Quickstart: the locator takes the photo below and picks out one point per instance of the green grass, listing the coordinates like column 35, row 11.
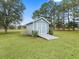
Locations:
column 16, row 46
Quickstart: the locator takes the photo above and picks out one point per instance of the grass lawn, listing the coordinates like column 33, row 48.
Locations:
column 16, row 46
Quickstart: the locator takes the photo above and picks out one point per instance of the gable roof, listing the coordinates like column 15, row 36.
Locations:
column 42, row 18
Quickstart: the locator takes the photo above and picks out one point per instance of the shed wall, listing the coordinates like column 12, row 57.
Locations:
column 40, row 26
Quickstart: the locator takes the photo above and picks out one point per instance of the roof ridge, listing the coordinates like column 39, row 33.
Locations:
column 39, row 19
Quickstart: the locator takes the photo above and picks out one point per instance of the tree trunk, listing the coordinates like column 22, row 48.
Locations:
column 58, row 21
column 73, row 28
column 5, row 29
column 68, row 20
column 63, row 26
column 51, row 30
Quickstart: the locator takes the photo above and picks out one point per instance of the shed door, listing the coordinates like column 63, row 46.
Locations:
column 39, row 28
column 42, row 29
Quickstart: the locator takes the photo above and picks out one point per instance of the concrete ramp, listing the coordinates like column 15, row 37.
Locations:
column 47, row 36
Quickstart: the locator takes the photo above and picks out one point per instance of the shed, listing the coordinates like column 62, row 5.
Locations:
column 41, row 25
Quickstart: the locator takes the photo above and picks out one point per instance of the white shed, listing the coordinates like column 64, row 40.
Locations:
column 40, row 25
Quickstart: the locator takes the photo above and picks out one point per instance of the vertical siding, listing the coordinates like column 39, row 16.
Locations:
column 40, row 26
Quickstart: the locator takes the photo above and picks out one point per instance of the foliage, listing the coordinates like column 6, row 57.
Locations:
column 42, row 12
column 34, row 33
column 19, row 27
column 59, row 24
column 11, row 27
column 51, row 31
column 10, row 12
column 36, row 14
column 62, row 11
column 72, row 24
column 45, row 10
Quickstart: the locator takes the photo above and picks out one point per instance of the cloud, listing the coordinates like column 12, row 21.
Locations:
column 57, row 0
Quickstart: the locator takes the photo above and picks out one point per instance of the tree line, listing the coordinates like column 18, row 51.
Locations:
column 62, row 15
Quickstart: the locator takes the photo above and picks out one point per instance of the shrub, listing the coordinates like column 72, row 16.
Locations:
column 72, row 24
column 11, row 27
column 34, row 33
column 51, row 31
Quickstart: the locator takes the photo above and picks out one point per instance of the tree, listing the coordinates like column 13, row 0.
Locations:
column 75, row 10
column 58, row 16
column 10, row 12
column 59, row 24
column 59, row 12
column 42, row 12
column 63, row 7
column 72, row 24
column 47, row 11
column 36, row 14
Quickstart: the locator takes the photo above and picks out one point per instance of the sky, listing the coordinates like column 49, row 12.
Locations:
column 31, row 6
